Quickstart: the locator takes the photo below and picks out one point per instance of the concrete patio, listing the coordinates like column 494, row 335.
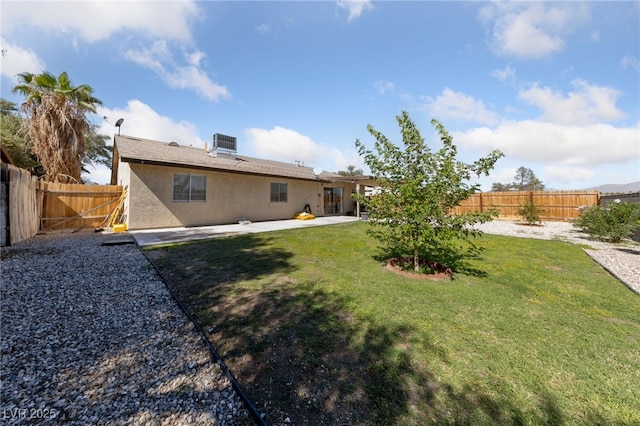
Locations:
column 149, row 237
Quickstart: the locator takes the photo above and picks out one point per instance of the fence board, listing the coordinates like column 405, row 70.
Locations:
column 76, row 205
column 20, row 203
column 557, row 205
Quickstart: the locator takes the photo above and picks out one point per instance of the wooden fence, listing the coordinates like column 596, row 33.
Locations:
column 557, row 205
column 29, row 206
column 64, row 206
column 19, row 212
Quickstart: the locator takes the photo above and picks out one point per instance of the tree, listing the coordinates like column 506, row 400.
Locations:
column 498, row 187
column 96, row 150
column 524, row 180
column 351, row 171
column 56, row 121
column 410, row 216
column 15, row 140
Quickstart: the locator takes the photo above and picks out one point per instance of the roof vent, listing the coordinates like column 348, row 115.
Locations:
column 173, row 144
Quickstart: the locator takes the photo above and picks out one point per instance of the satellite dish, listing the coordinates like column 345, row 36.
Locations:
column 317, row 171
column 118, row 124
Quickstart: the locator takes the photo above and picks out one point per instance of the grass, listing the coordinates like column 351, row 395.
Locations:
column 316, row 330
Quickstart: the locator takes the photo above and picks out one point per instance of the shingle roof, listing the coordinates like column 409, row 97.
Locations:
column 137, row 150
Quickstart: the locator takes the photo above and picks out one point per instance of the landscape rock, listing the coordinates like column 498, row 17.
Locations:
column 91, row 335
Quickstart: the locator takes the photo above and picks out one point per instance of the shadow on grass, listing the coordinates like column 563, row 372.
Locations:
column 300, row 352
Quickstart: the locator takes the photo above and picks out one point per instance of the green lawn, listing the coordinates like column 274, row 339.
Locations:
column 317, row 330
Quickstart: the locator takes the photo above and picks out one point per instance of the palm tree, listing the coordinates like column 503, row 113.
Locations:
column 56, row 122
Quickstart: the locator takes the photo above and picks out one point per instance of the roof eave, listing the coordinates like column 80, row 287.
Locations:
column 217, row 169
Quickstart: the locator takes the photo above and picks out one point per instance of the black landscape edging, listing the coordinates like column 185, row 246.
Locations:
column 236, row 386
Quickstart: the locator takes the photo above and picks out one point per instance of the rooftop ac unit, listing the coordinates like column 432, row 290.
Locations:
column 223, row 144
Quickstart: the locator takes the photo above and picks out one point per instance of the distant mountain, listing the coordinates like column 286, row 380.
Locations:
column 618, row 188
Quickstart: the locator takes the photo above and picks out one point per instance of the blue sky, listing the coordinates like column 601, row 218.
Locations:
column 554, row 85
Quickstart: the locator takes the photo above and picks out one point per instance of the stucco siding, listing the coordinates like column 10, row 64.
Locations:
column 349, row 202
column 228, row 197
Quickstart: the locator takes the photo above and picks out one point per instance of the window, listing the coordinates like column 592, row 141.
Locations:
column 278, row 192
column 189, row 187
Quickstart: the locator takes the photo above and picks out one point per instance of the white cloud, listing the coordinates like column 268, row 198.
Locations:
column 532, row 29
column 98, row 174
column 456, row 105
column 355, row 7
column 287, row 145
column 283, row 144
column 140, row 120
column 588, row 104
column 98, row 20
column 506, row 75
column 383, row 86
column 502, row 175
column 266, row 29
column 568, row 174
column 16, row 60
column 534, row 141
column 630, row 62
column 159, row 58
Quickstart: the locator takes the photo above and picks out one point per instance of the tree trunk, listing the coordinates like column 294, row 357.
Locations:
column 416, row 252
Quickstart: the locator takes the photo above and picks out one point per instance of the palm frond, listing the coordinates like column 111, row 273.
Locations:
column 56, row 121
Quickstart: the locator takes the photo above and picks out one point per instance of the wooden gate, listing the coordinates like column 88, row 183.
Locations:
column 64, row 206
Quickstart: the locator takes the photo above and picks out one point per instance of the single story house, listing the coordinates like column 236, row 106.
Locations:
column 172, row 185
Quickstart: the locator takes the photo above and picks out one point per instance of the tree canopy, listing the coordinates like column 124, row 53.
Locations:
column 524, row 180
column 351, row 171
column 411, row 213
column 16, row 141
column 56, row 121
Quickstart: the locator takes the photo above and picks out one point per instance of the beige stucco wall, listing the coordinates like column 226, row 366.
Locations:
column 349, row 202
column 229, row 196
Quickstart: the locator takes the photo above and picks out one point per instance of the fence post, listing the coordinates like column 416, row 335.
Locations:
column 4, row 207
column 40, row 190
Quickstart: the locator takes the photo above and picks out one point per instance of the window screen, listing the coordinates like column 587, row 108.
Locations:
column 189, row 187
column 278, row 192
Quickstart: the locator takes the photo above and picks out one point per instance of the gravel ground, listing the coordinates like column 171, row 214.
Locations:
column 621, row 260
column 91, row 336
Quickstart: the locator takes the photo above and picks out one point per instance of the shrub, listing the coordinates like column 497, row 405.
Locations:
column 530, row 212
column 613, row 223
